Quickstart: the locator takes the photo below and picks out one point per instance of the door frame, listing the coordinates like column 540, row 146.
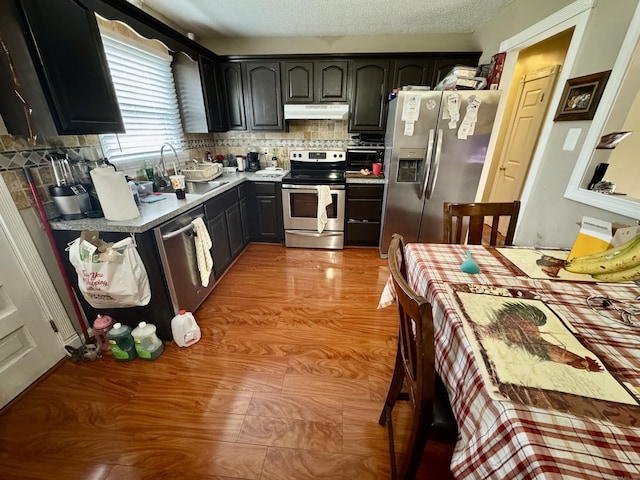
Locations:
column 550, row 71
column 576, row 16
column 29, row 259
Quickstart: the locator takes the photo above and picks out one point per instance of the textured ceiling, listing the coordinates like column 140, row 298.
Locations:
column 281, row 18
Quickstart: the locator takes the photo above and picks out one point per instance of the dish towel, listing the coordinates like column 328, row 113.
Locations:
column 203, row 254
column 324, row 199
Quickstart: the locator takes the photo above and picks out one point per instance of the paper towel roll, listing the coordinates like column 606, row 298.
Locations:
column 113, row 192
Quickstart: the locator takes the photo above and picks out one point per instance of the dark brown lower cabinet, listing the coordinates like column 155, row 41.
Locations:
column 266, row 212
column 227, row 227
column 364, row 210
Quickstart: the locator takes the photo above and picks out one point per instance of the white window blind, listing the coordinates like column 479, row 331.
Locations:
column 146, row 93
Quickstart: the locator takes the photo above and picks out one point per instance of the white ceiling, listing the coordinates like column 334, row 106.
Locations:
column 283, row 18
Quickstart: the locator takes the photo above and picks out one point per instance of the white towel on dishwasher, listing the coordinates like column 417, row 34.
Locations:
column 203, row 250
column 324, row 200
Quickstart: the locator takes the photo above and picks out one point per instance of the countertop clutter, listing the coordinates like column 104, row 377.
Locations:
column 156, row 213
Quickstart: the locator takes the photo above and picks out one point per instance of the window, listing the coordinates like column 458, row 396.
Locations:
column 146, row 93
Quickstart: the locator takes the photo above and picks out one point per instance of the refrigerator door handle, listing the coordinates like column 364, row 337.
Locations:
column 427, row 165
column 436, row 166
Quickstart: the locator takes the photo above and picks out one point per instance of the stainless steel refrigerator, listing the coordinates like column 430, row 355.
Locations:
column 435, row 148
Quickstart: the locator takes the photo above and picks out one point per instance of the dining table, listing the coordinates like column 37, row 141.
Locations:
column 529, row 403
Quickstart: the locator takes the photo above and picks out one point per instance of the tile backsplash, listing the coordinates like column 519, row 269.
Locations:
column 19, row 152
column 302, row 134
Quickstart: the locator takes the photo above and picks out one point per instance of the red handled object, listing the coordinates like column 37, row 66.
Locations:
column 47, row 229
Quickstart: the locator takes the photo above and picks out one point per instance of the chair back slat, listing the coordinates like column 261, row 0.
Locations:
column 468, row 220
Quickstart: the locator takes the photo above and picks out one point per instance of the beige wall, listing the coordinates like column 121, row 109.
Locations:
column 603, row 37
column 517, row 17
column 339, row 44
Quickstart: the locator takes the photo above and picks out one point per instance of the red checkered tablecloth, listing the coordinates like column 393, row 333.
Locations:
column 507, row 440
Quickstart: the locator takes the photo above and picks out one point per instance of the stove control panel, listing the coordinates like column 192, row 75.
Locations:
column 318, row 155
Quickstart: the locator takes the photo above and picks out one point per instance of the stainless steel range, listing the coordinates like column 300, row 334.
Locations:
column 311, row 170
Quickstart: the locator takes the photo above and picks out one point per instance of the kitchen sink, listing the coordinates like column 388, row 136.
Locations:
column 200, row 188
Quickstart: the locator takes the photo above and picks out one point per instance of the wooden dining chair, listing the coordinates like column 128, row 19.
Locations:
column 462, row 217
column 431, row 415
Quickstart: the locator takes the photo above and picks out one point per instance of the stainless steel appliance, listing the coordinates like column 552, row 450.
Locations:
column 68, row 194
column 311, row 169
column 435, row 148
column 177, row 250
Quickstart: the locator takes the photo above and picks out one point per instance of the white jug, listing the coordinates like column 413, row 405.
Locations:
column 184, row 329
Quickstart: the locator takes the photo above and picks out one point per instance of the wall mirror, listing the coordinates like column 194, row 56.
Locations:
column 619, row 111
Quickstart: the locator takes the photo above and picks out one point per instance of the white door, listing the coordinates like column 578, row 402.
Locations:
column 28, row 344
column 520, row 144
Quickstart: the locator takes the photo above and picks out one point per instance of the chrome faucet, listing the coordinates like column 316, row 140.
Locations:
column 165, row 173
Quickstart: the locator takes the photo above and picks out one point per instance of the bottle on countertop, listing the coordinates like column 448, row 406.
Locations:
column 274, row 160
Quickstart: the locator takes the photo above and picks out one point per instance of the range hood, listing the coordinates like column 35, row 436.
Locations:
column 316, row 111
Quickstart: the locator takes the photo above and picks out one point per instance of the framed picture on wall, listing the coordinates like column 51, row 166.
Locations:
column 581, row 96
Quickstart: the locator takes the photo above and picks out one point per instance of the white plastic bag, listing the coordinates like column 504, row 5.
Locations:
column 119, row 281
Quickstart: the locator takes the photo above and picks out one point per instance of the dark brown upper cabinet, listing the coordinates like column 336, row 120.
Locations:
column 412, row 71
column 444, row 64
column 368, row 92
column 262, row 95
column 201, row 94
column 232, row 74
column 322, row 81
column 215, row 95
column 331, row 81
column 69, row 59
column 298, row 82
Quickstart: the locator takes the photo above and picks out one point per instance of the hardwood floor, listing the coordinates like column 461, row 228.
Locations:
column 287, row 382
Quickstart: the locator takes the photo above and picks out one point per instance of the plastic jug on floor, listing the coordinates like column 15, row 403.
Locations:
column 148, row 345
column 121, row 342
column 184, row 329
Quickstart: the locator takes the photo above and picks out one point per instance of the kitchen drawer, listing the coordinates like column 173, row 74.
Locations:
column 364, row 209
column 365, row 191
column 265, row 188
column 360, row 233
column 220, row 203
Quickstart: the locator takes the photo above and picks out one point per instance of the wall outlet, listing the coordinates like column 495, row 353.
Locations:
column 265, row 151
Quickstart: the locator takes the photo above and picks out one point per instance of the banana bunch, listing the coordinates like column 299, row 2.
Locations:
column 620, row 264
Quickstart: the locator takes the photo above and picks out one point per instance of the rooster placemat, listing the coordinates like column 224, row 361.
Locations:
column 527, row 354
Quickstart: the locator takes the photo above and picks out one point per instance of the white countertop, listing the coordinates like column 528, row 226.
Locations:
column 154, row 214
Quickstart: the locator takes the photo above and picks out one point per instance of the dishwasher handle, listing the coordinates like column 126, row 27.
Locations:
column 180, row 231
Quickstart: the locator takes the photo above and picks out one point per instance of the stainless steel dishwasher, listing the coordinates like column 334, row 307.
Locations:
column 177, row 249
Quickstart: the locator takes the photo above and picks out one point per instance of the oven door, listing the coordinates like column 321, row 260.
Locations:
column 300, row 208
